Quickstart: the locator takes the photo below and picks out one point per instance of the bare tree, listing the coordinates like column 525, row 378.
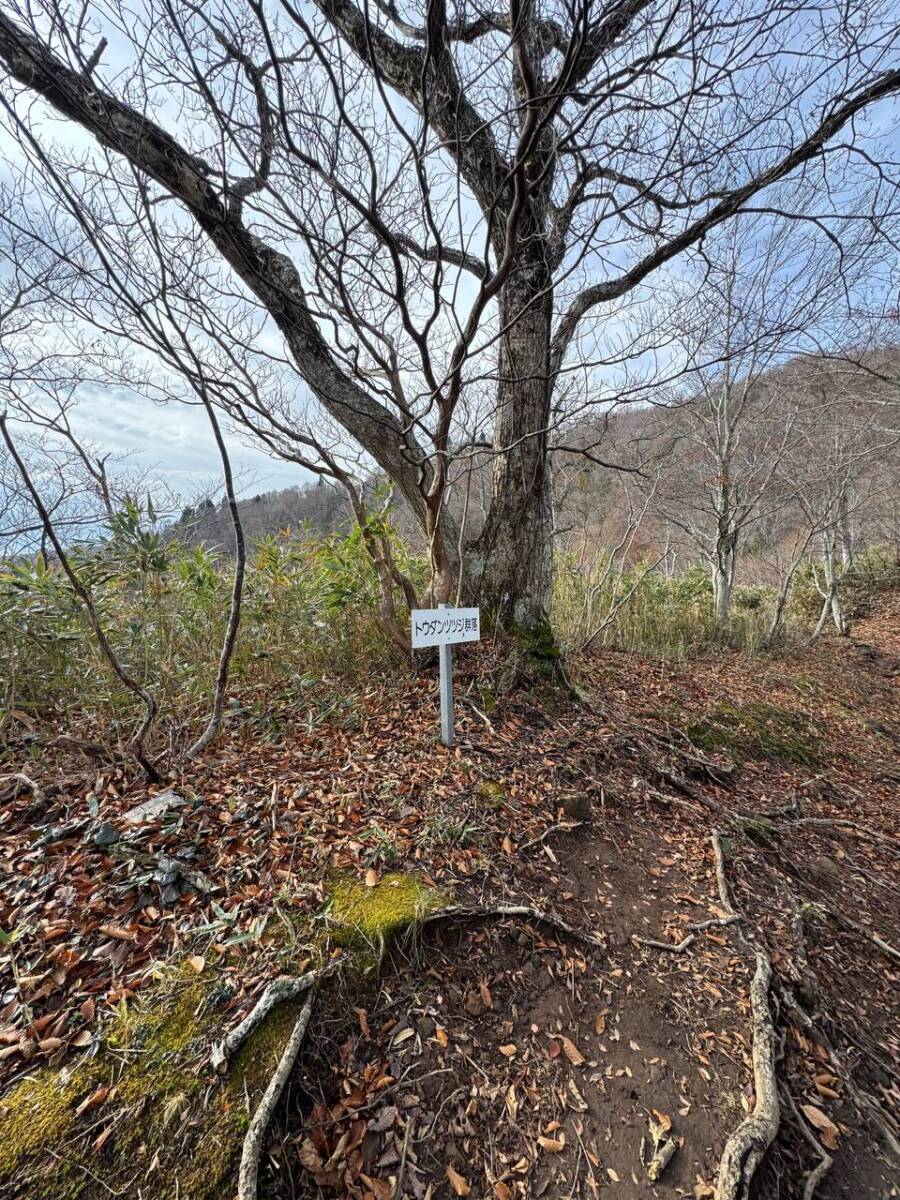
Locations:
column 440, row 215
column 767, row 292
column 846, row 444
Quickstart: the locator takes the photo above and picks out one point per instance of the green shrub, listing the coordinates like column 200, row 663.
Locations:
column 648, row 612
column 310, row 610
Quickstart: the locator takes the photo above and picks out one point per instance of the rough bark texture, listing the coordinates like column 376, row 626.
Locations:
column 514, row 550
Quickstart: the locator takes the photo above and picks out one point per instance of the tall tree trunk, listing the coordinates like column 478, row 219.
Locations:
column 722, row 590
column 514, row 554
column 838, row 615
column 724, row 569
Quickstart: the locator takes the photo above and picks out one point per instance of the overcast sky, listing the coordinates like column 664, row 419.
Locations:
column 175, row 442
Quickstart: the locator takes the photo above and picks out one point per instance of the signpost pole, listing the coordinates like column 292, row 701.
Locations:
column 445, row 655
column 444, row 627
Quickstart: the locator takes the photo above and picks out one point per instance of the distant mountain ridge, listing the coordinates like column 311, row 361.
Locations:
column 319, row 506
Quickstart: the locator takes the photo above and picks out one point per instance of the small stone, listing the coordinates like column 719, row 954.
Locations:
column 171, row 894
column 105, row 834
column 576, row 805
column 474, row 1004
column 154, row 808
column 425, row 1026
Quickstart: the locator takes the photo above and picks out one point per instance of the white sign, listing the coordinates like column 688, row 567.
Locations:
column 444, row 626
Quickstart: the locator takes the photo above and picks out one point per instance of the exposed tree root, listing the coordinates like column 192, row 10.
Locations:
column 695, row 927
column 865, row 1105
column 276, row 993
column 746, row 1146
column 688, row 789
column 815, row 1177
column 560, row 827
column 292, row 988
column 848, row 827
column 255, row 1136
column 868, row 934
column 465, row 912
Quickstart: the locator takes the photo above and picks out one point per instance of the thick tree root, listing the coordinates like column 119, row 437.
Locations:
column 747, row 1145
column 745, row 1148
column 255, row 1136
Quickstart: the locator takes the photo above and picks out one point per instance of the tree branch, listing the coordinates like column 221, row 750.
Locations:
column 885, row 85
column 269, row 274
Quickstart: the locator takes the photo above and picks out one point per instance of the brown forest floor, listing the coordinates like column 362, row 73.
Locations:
column 500, row 1058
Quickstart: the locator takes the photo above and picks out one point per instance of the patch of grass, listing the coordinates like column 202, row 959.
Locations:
column 383, row 846
column 443, row 832
column 759, row 730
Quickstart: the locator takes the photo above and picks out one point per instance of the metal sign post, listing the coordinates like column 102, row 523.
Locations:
column 444, row 627
column 445, row 659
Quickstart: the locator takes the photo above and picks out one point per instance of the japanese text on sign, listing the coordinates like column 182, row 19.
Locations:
column 444, row 626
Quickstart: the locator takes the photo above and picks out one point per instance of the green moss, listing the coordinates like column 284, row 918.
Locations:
column 39, row 1112
column 760, row 830
column 172, row 1122
column 759, row 730
column 369, row 917
column 492, row 793
column 213, row 1161
column 173, row 1126
column 537, row 640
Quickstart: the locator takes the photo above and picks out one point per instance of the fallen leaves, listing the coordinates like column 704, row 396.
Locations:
column 572, row 1053
column 92, row 1101
column 827, row 1130
column 117, row 931
column 456, row 1181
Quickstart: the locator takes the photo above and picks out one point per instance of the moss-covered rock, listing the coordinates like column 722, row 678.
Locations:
column 758, row 729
